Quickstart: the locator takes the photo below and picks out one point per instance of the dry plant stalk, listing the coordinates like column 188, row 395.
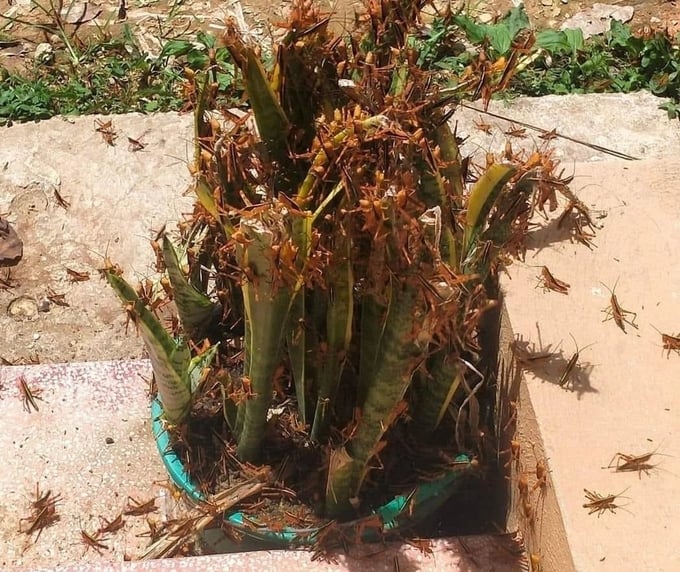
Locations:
column 6, row 280
column 43, row 512
column 549, row 282
column 600, row 504
column 615, row 312
column 180, row 531
column 61, row 201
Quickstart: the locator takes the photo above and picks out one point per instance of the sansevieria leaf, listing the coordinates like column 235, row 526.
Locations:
column 169, row 358
column 194, row 308
column 482, row 198
column 267, row 302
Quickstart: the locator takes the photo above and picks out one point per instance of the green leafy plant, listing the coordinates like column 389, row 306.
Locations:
column 342, row 256
column 111, row 74
column 618, row 61
column 497, row 36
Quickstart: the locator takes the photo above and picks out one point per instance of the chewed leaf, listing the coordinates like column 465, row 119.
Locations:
column 169, row 359
column 195, row 308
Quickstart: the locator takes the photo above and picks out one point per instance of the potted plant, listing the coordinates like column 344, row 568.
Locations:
column 331, row 282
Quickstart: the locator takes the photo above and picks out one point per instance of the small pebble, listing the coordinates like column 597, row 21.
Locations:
column 44, row 305
column 109, row 440
column 36, row 337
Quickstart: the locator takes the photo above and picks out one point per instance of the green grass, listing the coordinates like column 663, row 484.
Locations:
column 113, row 75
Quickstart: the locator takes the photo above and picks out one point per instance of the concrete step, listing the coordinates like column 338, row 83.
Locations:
column 626, row 400
column 623, row 395
column 90, row 442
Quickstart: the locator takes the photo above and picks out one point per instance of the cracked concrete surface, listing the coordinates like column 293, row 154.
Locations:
column 118, row 200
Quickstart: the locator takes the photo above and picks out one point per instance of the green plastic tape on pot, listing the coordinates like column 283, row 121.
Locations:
column 173, row 464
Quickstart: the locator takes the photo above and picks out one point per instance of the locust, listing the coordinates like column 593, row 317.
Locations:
column 58, row 299
column 93, row 541
column 514, row 131
column 571, row 364
column 549, row 282
column 549, row 135
column 107, row 131
column 483, row 127
column 75, row 276
column 626, row 463
column 110, row 526
column 600, row 504
column 671, row 343
column 43, row 512
column 29, row 396
column 617, row 313
column 135, row 144
column 136, row 508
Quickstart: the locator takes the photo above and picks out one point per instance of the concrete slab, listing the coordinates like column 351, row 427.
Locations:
column 118, row 200
column 623, row 396
column 580, row 435
column 90, row 442
column 460, row 554
column 630, row 123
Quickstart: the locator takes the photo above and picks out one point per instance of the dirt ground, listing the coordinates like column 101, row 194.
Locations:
column 153, row 21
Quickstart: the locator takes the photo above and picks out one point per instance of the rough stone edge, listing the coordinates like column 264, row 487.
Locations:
column 547, row 538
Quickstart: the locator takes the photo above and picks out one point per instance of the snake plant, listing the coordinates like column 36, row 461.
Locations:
column 338, row 240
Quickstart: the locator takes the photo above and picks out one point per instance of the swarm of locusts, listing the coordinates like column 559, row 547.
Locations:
column 333, row 280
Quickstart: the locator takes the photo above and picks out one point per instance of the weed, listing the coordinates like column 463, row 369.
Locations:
column 112, row 75
column 564, row 62
column 617, row 61
column 108, row 75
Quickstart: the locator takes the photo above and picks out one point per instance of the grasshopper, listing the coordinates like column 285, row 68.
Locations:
column 549, row 282
column 600, row 504
column 625, row 463
column 571, row 364
column 93, row 541
column 136, row 508
column 29, row 396
column 617, row 313
column 671, row 343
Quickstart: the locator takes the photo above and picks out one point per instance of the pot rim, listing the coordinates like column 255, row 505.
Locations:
column 421, row 502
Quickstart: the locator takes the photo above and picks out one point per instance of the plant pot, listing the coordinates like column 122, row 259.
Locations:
column 398, row 515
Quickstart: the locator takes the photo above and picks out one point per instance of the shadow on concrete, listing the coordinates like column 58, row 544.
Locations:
column 549, row 234
column 567, row 370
